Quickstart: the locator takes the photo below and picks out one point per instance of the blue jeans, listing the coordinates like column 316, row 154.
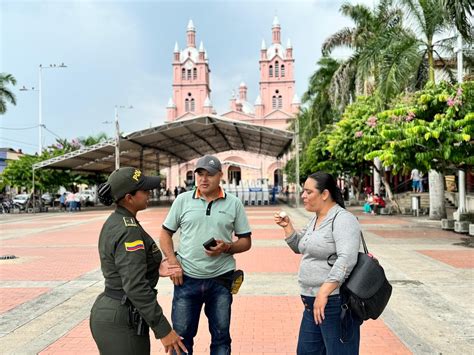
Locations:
column 187, row 303
column 332, row 336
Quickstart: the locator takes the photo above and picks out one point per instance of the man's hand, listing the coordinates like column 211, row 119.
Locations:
column 220, row 248
column 166, row 269
column 173, row 342
column 177, row 276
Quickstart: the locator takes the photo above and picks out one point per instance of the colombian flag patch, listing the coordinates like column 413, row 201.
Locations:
column 134, row 246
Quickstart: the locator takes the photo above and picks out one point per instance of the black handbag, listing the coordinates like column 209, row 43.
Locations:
column 367, row 290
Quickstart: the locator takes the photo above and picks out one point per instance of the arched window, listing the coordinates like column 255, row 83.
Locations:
column 280, row 102
column 186, row 105
column 270, row 71
column 282, row 70
column 189, row 74
column 276, row 69
column 195, row 73
column 183, row 74
column 274, row 102
column 192, row 105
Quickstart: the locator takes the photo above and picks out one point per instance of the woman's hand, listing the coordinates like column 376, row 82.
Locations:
column 319, row 306
column 172, row 341
column 282, row 219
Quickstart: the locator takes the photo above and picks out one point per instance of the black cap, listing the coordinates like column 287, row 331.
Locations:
column 125, row 180
column 209, row 163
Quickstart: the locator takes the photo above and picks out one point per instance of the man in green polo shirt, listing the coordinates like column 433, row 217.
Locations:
column 207, row 212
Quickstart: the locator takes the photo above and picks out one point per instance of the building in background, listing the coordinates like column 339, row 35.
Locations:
column 276, row 105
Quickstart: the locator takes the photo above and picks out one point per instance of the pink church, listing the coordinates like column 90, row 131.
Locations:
column 276, row 105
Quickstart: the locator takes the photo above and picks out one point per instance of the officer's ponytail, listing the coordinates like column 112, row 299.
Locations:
column 105, row 194
column 325, row 181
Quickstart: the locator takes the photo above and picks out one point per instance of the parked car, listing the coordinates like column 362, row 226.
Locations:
column 21, row 199
column 87, row 197
column 48, row 199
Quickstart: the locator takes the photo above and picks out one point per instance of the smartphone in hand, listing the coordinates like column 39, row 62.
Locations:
column 210, row 243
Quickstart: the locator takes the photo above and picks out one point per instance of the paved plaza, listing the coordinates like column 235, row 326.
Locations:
column 47, row 292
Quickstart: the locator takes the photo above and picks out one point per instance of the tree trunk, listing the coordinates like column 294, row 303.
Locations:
column 377, row 175
column 436, row 184
column 385, row 183
column 431, row 61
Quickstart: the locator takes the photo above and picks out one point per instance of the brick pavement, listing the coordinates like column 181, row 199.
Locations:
column 265, row 318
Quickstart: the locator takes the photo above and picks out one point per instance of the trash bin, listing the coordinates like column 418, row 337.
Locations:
column 415, row 205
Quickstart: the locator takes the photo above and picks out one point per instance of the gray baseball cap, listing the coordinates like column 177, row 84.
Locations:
column 209, row 163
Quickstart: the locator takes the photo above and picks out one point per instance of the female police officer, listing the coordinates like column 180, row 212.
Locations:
column 130, row 262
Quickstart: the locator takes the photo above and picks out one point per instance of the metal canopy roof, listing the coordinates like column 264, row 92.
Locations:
column 175, row 142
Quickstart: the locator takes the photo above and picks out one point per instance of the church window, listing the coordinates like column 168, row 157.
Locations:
column 280, row 102
column 189, row 74
column 282, row 70
column 276, row 69
column 183, row 74
column 195, row 74
column 186, row 105
column 274, row 102
column 270, row 71
column 192, row 105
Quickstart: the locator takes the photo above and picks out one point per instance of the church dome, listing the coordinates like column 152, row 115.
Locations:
column 276, row 49
column 247, row 108
column 190, row 52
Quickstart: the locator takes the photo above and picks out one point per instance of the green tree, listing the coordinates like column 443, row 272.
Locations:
column 429, row 18
column 20, row 172
column 376, row 37
column 460, row 12
column 6, row 95
column 321, row 111
column 431, row 130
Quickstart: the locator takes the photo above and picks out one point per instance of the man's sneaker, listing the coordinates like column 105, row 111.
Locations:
column 237, row 280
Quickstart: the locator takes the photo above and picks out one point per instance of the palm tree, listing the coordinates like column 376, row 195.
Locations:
column 91, row 140
column 321, row 111
column 430, row 19
column 6, row 96
column 371, row 38
column 459, row 12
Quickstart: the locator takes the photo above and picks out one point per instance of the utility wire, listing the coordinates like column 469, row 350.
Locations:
column 15, row 141
column 54, row 134
column 19, row 129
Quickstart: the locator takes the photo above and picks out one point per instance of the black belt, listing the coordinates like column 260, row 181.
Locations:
column 119, row 295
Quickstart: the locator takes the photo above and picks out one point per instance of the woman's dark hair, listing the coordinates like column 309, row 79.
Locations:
column 325, row 181
column 105, row 194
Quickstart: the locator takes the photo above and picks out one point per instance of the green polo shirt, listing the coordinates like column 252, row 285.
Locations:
column 199, row 221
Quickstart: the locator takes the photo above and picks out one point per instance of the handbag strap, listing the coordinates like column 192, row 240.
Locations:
column 366, row 250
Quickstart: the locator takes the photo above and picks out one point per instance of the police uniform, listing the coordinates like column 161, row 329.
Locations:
column 130, row 261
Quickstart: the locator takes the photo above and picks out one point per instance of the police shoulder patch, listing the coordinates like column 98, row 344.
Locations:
column 129, row 222
column 134, row 246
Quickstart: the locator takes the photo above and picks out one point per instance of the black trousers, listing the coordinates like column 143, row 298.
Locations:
column 111, row 331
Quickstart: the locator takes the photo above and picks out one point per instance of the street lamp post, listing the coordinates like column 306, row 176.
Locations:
column 462, row 174
column 40, row 101
column 297, row 172
column 117, row 135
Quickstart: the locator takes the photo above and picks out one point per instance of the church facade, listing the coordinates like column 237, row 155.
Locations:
column 276, row 105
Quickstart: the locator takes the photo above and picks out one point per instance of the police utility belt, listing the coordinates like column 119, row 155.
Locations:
column 135, row 320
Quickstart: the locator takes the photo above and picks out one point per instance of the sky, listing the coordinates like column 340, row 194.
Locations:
column 120, row 53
